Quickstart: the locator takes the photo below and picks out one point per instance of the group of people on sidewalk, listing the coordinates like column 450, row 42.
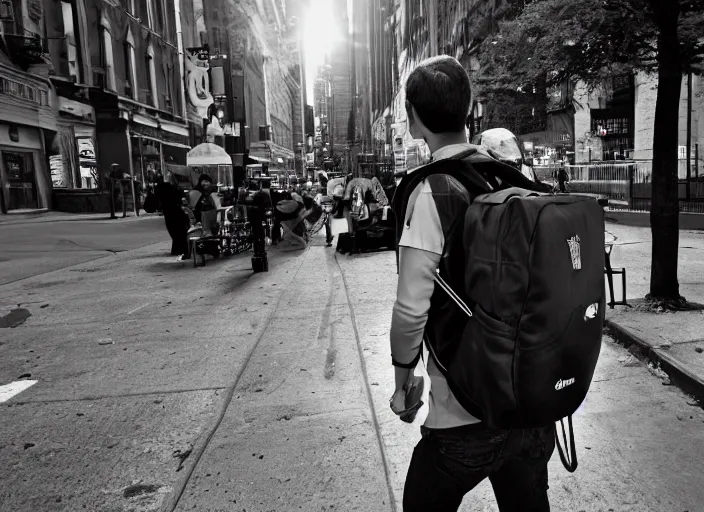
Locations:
column 181, row 212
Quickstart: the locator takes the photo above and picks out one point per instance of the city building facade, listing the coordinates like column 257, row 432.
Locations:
column 86, row 84
column 28, row 108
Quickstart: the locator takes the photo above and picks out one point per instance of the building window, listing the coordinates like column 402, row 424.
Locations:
column 150, row 14
column 8, row 15
column 168, row 77
column 127, row 53
column 151, row 98
column 107, row 59
column 71, row 41
column 161, row 25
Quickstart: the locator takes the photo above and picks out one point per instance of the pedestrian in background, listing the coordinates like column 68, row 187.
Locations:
column 323, row 189
column 562, row 178
column 204, row 202
column 177, row 223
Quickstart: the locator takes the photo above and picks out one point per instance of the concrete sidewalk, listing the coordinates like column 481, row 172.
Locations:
column 227, row 390
column 688, row 221
column 673, row 341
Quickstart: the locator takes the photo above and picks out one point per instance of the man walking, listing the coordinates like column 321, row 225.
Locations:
column 456, row 451
column 323, row 189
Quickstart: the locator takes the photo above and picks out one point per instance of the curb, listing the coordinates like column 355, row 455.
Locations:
column 687, row 220
column 79, row 218
column 680, row 376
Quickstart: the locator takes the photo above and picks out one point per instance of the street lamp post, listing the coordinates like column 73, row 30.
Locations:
column 302, row 147
column 331, row 109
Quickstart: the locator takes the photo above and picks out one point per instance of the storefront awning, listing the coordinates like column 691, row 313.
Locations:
column 174, row 128
column 160, row 141
column 144, row 120
column 208, row 154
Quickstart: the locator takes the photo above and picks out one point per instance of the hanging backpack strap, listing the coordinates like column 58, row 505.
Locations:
column 569, row 455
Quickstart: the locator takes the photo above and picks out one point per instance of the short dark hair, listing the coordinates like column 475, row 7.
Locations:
column 204, row 177
column 440, row 91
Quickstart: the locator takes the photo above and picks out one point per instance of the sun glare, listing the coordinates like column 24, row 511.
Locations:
column 321, row 34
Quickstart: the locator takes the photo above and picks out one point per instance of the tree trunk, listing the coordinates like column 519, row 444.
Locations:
column 664, row 211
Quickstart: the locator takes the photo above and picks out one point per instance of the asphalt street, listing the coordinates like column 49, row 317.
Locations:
column 164, row 387
column 31, row 248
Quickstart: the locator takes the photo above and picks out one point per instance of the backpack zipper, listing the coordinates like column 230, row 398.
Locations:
column 441, row 282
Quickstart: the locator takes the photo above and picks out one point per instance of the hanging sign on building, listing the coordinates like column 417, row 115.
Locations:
column 198, row 84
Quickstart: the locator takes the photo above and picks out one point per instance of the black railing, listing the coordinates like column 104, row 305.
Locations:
column 627, row 185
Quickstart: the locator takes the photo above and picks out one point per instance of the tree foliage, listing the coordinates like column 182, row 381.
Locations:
column 587, row 40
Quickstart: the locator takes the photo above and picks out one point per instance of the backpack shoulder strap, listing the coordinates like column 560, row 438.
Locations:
column 460, row 167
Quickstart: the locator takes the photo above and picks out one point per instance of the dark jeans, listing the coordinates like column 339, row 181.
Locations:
column 448, row 463
column 328, row 229
column 177, row 226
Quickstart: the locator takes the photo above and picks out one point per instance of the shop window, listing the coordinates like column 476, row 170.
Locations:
column 73, row 55
column 21, row 183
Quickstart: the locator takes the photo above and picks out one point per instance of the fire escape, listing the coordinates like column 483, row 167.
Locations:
column 24, row 48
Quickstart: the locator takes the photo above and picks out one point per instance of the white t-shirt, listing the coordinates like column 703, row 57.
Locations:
column 424, row 232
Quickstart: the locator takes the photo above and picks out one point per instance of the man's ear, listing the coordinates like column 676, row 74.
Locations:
column 417, row 127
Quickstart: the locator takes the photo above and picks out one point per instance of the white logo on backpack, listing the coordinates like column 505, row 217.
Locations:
column 591, row 312
column 575, row 252
column 562, row 384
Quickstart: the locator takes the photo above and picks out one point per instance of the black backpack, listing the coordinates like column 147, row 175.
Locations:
column 516, row 318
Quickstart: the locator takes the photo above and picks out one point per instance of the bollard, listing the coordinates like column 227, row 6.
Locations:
column 124, row 199
column 112, row 199
column 135, row 203
column 3, row 206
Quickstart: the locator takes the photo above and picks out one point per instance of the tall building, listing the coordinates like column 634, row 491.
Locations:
column 322, row 102
column 260, row 80
column 340, row 80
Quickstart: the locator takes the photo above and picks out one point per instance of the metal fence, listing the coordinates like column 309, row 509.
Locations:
column 628, row 185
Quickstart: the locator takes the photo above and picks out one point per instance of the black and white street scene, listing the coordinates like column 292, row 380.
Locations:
column 352, row 255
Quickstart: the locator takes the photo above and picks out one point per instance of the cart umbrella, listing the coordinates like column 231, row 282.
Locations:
column 209, row 157
column 207, row 154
